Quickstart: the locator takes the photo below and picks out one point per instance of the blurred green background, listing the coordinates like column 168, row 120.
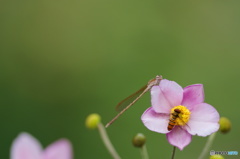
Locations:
column 62, row 60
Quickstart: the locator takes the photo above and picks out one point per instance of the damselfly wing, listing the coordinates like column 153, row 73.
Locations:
column 125, row 102
column 129, row 101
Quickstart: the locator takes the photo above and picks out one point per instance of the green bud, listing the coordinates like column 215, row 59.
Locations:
column 139, row 140
column 225, row 125
column 92, row 121
column 216, row 157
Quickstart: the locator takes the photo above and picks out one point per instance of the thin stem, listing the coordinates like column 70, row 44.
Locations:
column 207, row 146
column 144, row 152
column 173, row 152
column 107, row 142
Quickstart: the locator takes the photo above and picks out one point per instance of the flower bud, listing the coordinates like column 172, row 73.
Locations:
column 225, row 125
column 139, row 140
column 216, row 157
column 92, row 121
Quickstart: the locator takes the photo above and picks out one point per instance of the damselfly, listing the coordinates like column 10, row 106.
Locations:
column 130, row 100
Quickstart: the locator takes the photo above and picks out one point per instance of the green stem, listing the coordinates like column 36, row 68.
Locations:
column 207, row 146
column 144, row 152
column 107, row 142
column 173, row 152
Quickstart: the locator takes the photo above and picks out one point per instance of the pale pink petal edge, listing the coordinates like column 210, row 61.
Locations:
column 204, row 120
column 179, row 137
column 61, row 149
column 165, row 96
column 25, row 146
column 155, row 121
column 192, row 95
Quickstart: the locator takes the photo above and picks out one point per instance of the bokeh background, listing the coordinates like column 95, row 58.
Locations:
column 62, row 60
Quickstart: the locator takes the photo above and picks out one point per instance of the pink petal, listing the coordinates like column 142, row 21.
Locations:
column 165, row 96
column 58, row 150
column 26, row 147
column 155, row 121
column 179, row 137
column 193, row 95
column 204, row 120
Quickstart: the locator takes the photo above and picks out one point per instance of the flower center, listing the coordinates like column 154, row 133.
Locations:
column 183, row 114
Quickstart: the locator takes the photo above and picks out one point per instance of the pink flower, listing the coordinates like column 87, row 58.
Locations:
column 27, row 147
column 196, row 117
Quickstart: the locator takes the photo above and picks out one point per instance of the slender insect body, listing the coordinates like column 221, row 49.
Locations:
column 132, row 99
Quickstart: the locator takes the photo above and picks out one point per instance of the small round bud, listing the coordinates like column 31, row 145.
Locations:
column 92, row 121
column 139, row 140
column 216, row 157
column 225, row 125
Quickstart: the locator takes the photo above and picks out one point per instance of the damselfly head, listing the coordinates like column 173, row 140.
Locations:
column 155, row 81
column 158, row 77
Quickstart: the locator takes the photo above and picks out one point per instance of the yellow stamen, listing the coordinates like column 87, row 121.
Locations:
column 183, row 116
